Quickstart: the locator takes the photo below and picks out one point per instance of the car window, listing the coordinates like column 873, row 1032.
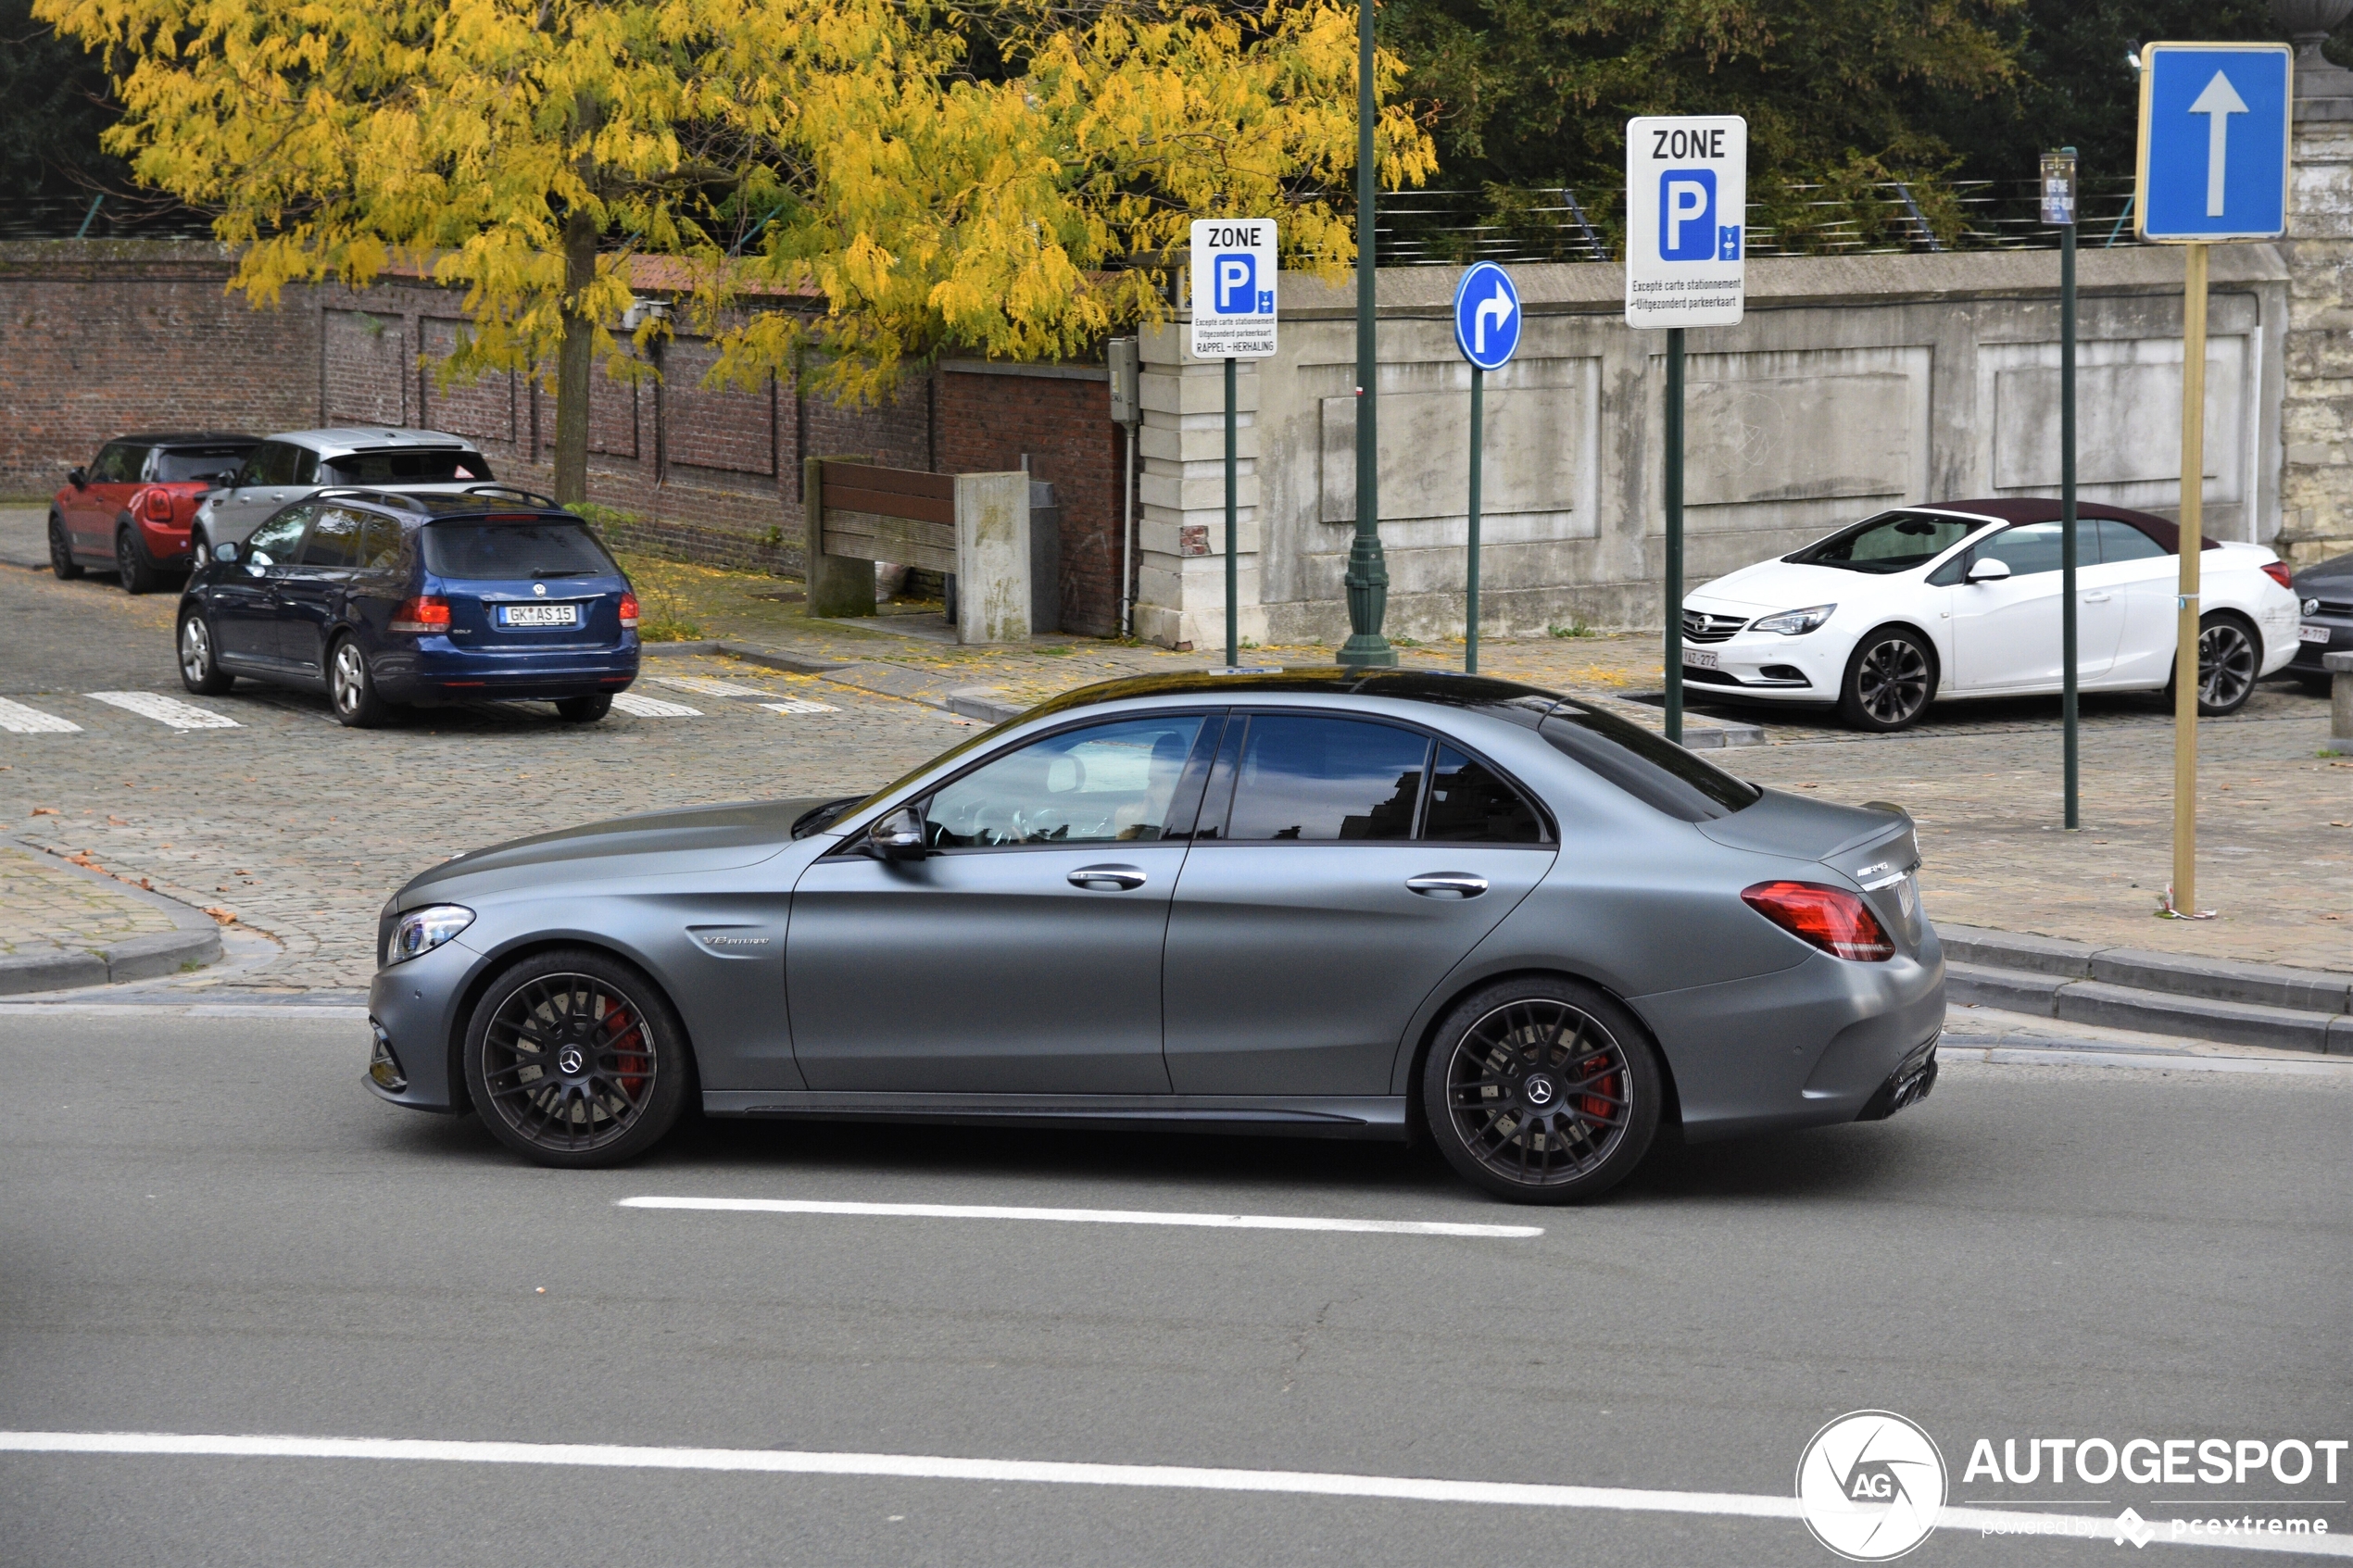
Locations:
column 334, row 538
column 117, row 464
column 2026, row 549
column 514, row 552
column 1649, row 767
column 408, row 465
column 1889, row 543
column 2123, row 542
column 273, row 544
column 271, row 463
column 176, row 463
column 1106, row 783
column 379, row 541
column 1470, row 804
column 305, row 467
column 1309, row 779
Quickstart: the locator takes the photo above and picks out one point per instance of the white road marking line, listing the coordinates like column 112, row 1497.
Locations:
column 2147, row 1061
column 708, row 685
column 800, row 705
column 653, row 707
column 1082, row 1216
column 166, row 711
column 929, row 1467
column 18, row 720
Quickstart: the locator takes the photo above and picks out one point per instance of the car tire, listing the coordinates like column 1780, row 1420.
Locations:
column 576, row 1059
column 2229, row 660
column 585, row 709
column 61, row 559
column 200, row 668
column 1541, row 1091
column 1890, row 680
column 133, row 565
column 351, row 686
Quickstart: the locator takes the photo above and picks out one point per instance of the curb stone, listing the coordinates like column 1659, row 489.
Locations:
column 196, row 938
column 986, row 703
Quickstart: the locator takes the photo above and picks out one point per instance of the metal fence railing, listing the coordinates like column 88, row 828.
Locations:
column 107, row 216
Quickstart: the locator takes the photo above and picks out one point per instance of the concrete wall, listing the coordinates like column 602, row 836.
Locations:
column 1853, row 385
column 2315, row 501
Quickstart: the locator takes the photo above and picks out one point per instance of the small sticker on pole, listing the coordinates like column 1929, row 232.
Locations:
column 1233, row 291
column 1686, row 219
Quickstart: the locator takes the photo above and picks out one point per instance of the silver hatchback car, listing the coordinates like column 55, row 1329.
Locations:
column 293, row 464
column 1308, row 902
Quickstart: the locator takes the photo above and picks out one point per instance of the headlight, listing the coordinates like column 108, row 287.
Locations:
column 1795, row 622
column 421, row 930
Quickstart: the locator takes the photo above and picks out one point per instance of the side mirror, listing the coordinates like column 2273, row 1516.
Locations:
column 79, row 479
column 225, row 553
column 1989, row 571
column 899, row 835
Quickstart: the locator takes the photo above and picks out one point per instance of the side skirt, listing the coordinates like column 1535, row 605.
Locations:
column 1335, row 1116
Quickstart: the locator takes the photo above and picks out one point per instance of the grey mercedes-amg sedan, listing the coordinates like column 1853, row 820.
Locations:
column 1316, row 902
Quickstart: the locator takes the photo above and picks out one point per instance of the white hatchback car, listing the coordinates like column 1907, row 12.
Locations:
column 1962, row 599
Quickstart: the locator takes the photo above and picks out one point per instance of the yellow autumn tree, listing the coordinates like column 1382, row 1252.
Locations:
column 931, row 176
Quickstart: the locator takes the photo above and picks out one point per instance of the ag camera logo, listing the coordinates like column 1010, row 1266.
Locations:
column 1234, row 277
column 1870, row 1485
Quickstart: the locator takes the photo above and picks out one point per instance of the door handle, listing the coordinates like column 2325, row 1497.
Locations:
column 2097, row 599
column 1447, row 884
column 1107, row 879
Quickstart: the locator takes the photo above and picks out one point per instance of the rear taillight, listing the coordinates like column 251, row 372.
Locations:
column 2277, row 571
column 628, row 612
column 1832, row 918
column 157, row 505
column 426, row 613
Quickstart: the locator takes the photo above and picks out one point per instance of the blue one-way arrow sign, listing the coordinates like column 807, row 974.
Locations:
column 2214, row 142
column 1487, row 316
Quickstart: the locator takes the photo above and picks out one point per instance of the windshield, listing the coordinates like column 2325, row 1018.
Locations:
column 1649, row 767
column 176, row 463
column 1889, row 543
column 514, row 552
column 408, row 465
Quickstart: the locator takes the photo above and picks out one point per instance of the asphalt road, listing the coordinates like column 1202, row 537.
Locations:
column 211, row 1228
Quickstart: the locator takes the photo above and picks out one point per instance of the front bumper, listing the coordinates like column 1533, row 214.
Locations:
column 1769, row 666
column 417, row 1007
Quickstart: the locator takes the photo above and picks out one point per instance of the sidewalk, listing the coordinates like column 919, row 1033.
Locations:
column 63, row 926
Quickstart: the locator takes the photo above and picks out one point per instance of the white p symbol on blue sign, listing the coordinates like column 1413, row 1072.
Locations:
column 1237, row 278
column 1686, row 230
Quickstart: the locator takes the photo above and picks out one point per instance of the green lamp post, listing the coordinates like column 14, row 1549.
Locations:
column 1367, row 578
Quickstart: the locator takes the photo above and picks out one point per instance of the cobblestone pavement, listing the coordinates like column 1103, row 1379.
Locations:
column 303, row 827
column 46, row 906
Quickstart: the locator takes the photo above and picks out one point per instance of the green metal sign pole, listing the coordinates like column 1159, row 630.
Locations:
column 1367, row 578
column 1478, row 452
column 1674, row 534
column 2067, row 502
column 1232, row 641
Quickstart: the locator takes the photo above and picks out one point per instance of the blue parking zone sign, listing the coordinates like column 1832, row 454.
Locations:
column 1235, row 280
column 2214, row 142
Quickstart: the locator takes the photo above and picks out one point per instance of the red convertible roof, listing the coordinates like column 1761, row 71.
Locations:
column 2042, row 509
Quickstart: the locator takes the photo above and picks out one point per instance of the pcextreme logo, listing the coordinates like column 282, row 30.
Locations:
column 1870, row 1485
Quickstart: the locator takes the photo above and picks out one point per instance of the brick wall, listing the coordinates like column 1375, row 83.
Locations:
column 1059, row 417
column 99, row 338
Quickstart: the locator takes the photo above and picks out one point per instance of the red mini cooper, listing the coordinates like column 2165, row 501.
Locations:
column 129, row 510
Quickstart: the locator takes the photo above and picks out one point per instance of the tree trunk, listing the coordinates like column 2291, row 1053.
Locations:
column 574, row 360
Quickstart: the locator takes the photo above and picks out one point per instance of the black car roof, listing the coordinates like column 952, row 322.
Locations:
column 1444, row 687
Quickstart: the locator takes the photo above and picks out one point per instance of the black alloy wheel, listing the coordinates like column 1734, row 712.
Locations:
column 585, row 709
column 2228, row 659
column 61, row 559
column 1541, row 1091
column 575, row 1059
column 133, row 565
column 351, row 686
column 200, row 668
column 1889, row 678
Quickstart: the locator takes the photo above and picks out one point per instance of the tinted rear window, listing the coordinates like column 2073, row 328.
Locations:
column 408, row 465
column 198, row 462
column 510, row 552
column 1649, row 767
column 1311, row 779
